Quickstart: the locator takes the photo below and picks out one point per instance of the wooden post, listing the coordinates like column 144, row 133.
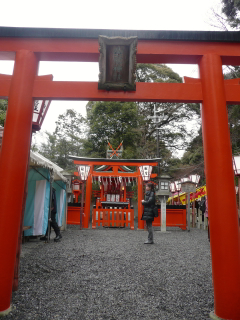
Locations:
column 13, row 163
column 193, row 211
column 222, row 209
column 163, row 214
column 140, row 198
column 88, row 199
column 188, row 210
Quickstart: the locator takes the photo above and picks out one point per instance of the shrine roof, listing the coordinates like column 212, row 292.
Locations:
column 184, row 35
column 112, row 161
column 104, row 167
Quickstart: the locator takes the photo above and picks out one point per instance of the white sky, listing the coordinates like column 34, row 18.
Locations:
column 105, row 14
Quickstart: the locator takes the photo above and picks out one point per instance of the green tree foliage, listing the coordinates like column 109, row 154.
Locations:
column 231, row 9
column 3, row 111
column 114, row 122
column 49, row 149
column 227, row 18
column 156, row 73
column 67, row 139
column 231, row 19
column 171, row 117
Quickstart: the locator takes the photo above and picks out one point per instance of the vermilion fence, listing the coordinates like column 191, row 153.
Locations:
column 113, row 218
column 175, row 217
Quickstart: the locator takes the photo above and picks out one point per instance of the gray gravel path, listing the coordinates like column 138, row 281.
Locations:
column 109, row 273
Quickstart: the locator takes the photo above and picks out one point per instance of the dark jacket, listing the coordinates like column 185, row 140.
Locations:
column 148, row 204
column 54, row 202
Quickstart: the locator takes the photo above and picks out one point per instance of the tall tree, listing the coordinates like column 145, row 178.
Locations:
column 114, row 122
column 171, row 117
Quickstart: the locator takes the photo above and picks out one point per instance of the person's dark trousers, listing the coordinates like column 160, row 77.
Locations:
column 54, row 224
column 150, row 230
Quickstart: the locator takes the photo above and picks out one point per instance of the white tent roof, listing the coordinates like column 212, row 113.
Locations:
column 37, row 160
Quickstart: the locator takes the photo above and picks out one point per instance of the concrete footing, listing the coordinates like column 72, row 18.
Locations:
column 213, row 316
column 5, row 312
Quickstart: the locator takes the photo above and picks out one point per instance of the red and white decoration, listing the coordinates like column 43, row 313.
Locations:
column 145, row 172
column 83, row 172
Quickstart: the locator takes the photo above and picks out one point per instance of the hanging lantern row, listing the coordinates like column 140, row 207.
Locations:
column 145, row 172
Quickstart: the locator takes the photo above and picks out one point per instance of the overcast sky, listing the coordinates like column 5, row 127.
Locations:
column 105, row 14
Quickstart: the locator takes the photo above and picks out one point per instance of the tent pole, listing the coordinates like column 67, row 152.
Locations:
column 49, row 211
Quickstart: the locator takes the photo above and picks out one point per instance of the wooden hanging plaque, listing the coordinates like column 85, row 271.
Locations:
column 117, row 63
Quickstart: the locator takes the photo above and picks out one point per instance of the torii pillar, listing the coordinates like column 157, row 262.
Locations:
column 223, row 216
column 13, row 166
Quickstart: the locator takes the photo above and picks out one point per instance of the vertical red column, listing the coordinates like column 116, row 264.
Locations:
column 13, row 166
column 140, row 198
column 222, row 209
column 88, row 199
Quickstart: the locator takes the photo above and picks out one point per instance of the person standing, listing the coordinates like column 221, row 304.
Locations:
column 148, row 214
column 53, row 222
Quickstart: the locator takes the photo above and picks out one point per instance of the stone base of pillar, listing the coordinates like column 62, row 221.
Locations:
column 213, row 316
column 162, row 231
column 5, row 312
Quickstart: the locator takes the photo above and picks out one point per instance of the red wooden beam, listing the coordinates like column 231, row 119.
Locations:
column 88, row 91
column 187, row 92
column 149, row 51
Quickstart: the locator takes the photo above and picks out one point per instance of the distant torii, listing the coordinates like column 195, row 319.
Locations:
column 114, row 152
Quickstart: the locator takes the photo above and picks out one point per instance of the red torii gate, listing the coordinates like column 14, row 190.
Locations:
column 210, row 50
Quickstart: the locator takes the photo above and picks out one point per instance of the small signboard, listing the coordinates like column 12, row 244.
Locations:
column 188, row 186
column 117, row 63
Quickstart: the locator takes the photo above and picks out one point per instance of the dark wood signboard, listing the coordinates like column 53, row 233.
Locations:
column 117, row 63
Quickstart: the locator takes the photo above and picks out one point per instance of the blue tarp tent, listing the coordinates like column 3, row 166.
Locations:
column 37, row 203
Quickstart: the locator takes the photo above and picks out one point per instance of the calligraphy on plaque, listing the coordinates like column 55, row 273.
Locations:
column 117, row 63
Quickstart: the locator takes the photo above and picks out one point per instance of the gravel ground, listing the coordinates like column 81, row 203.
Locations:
column 108, row 273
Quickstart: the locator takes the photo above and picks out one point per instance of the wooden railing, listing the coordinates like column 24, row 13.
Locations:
column 113, row 218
